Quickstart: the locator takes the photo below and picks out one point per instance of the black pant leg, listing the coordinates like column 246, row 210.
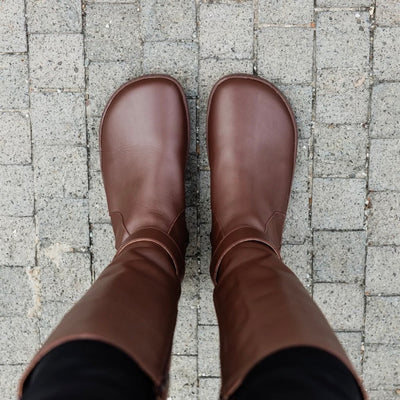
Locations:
column 301, row 373
column 87, row 370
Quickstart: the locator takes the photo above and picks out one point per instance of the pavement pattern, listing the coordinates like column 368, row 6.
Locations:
column 337, row 61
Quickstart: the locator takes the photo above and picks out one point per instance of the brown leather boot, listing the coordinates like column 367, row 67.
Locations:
column 133, row 304
column 261, row 306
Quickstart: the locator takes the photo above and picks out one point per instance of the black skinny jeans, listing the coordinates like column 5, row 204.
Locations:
column 91, row 370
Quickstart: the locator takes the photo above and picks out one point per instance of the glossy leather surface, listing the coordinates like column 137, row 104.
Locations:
column 252, row 139
column 144, row 143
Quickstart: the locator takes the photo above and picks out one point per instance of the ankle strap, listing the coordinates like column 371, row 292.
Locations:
column 232, row 239
column 162, row 239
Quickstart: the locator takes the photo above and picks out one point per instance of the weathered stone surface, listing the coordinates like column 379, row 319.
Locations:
column 58, row 118
column 341, row 303
column 339, row 256
column 342, row 39
column 112, row 32
column 340, row 151
column 279, row 65
column 226, row 30
column 15, row 138
column 12, row 26
column 56, row 61
column 338, row 203
column 382, row 270
column 54, row 16
column 385, row 111
column 384, row 165
column 13, row 81
column 342, row 96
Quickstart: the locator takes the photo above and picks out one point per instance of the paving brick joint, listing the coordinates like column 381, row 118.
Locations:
column 337, row 63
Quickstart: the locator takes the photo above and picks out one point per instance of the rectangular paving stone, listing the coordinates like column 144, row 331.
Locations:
column 297, row 225
column 63, row 221
column 183, row 65
column 112, row 32
column 9, row 379
column 16, row 182
column 183, row 378
column 352, row 343
column 14, row 81
column 103, row 248
column 97, row 200
column 387, row 12
column 382, row 311
column 342, row 96
column 301, row 174
column 339, row 256
column 297, row 258
column 185, row 337
column 58, row 118
column 381, row 366
column 51, row 314
column 15, row 138
column 64, row 275
column 383, row 219
column 16, row 296
column 208, row 361
column 209, row 388
column 341, row 303
column 342, row 39
column 226, row 30
column 338, row 203
column 56, row 61
column 12, row 27
column 17, row 241
column 207, row 314
column 385, row 111
column 104, row 79
column 168, row 20
column 382, row 270
column 340, row 151
column 54, row 16
column 61, row 171
column 384, row 165
column 292, row 12
column 19, row 340
column 300, row 99
column 278, row 64
column 386, row 45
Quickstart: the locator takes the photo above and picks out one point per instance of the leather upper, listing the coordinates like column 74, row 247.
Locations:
column 144, row 141
column 252, row 144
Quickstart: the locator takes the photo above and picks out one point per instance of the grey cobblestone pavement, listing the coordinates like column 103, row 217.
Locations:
column 338, row 63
